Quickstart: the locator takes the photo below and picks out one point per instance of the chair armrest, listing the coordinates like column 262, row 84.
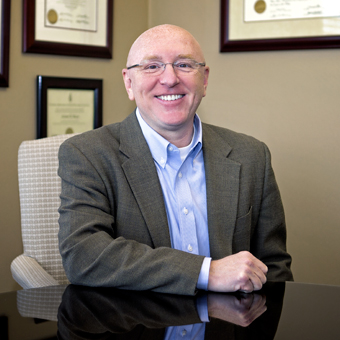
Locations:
column 29, row 273
column 41, row 303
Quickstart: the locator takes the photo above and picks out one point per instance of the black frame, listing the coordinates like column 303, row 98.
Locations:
column 31, row 45
column 4, row 42
column 269, row 44
column 44, row 83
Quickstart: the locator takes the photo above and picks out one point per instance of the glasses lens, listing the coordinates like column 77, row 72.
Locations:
column 152, row 67
column 185, row 65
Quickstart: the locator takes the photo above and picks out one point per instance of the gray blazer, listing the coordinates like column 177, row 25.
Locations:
column 113, row 223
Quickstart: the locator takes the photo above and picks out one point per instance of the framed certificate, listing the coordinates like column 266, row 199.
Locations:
column 4, row 41
column 68, row 105
column 67, row 27
column 259, row 25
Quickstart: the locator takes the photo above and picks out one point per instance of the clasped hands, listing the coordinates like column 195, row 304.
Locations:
column 240, row 310
column 239, row 272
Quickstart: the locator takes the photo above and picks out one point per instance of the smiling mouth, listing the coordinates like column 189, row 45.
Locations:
column 170, row 97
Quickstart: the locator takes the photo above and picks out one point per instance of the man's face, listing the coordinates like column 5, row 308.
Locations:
column 151, row 93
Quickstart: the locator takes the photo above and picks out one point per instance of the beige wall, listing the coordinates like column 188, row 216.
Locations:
column 291, row 101
column 18, row 107
column 287, row 99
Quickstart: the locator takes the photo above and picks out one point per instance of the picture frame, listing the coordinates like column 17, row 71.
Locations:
column 4, row 42
column 68, row 105
column 236, row 35
column 46, row 31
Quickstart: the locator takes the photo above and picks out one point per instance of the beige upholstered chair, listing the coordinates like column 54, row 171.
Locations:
column 40, row 303
column 39, row 189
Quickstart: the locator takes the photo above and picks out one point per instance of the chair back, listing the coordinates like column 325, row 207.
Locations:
column 39, row 190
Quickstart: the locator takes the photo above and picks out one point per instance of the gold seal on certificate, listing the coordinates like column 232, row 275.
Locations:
column 269, row 10
column 72, row 14
column 52, row 16
column 260, row 6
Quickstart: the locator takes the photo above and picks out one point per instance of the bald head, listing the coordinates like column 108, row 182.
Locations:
column 158, row 35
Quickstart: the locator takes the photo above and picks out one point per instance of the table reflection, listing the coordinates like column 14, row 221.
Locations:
column 106, row 313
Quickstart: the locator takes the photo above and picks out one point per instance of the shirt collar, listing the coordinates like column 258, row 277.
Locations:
column 159, row 145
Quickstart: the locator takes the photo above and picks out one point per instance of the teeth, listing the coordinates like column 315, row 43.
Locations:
column 171, row 97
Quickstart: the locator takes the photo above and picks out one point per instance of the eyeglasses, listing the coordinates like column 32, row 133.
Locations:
column 157, row 67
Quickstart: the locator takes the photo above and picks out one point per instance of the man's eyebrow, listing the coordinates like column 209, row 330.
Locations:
column 152, row 57
column 185, row 56
column 157, row 57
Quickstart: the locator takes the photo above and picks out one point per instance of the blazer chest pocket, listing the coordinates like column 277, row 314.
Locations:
column 242, row 233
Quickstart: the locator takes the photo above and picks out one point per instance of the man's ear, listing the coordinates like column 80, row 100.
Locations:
column 206, row 76
column 127, row 83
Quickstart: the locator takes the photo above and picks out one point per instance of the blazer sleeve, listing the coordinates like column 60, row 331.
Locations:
column 92, row 253
column 268, row 242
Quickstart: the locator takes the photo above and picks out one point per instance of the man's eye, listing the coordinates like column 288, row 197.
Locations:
column 152, row 66
column 183, row 65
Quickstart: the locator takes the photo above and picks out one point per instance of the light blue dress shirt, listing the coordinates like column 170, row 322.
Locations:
column 182, row 177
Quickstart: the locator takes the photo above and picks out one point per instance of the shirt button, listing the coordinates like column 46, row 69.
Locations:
column 180, row 175
column 185, row 210
column 190, row 248
column 184, row 332
column 170, row 148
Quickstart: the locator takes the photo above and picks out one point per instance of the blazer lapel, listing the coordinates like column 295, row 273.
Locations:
column 222, row 181
column 142, row 176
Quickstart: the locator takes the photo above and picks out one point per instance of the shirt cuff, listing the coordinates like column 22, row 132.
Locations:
column 202, row 307
column 203, row 278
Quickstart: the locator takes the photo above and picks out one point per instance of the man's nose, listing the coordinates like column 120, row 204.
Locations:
column 169, row 76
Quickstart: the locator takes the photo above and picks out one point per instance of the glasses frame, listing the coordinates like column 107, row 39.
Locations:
column 164, row 66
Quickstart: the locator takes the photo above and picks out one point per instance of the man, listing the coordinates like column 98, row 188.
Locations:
column 162, row 202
